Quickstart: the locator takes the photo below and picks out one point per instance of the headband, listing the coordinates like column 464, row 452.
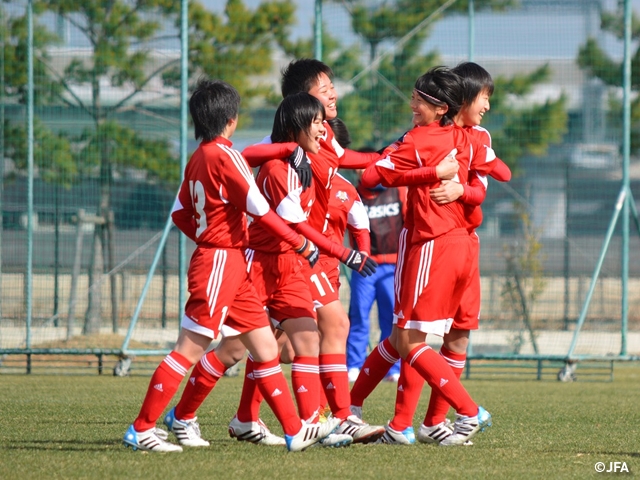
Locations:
column 439, row 103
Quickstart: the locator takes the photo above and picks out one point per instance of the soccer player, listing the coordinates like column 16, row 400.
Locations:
column 477, row 87
column 436, row 265
column 277, row 272
column 217, row 190
column 314, row 77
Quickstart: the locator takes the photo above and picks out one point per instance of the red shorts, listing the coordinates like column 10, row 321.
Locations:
column 222, row 298
column 280, row 284
column 403, row 251
column 435, row 276
column 323, row 280
column 468, row 313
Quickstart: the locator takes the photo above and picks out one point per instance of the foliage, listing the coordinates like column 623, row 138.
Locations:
column 53, row 158
column 518, row 128
column 599, row 64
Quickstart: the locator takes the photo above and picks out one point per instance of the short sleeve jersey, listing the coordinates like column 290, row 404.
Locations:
column 427, row 146
column 345, row 210
column 218, row 188
column 280, row 185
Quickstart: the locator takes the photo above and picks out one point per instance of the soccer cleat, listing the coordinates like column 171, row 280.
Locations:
column 353, row 374
column 153, row 440
column 335, row 440
column 357, row 411
column 394, row 437
column 254, row 432
column 186, row 431
column 360, row 431
column 309, row 434
column 464, row 428
column 435, row 434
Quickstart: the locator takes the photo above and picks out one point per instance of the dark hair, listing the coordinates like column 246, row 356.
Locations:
column 294, row 115
column 475, row 80
column 302, row 75
column 212, row 104
column 340, row 132
column 440, row 86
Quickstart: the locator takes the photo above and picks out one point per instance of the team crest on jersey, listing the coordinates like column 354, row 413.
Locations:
column 342, row 196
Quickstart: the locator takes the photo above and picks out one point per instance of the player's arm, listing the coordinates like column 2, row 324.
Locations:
column 243, row 192
column 445, row 170
column 359, row 226
column 352, row 159
column 354, row 259
column 472, row 193
column 260, row 153
column 182, row 213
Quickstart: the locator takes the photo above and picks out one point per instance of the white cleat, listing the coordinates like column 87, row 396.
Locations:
column 360, row 431
column 186, row 431
column 464, row 428
column 309, row 434
column 394, row 437
column 254, row 432
column 153, row 440
column 435, row 434
column 335, row 440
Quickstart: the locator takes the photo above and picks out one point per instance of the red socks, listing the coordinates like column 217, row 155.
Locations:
column 162, row 387
column 273, row 386
column 436, row 371
column 203, row 378
column 375, row 367
column 408, row 394
column 335, row 382
column 438, row 406
column 250, row 398
column 305, row 380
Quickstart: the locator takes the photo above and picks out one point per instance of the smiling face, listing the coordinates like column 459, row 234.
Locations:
column 309, row 140
column 424, row 112
column 471, row 115
column 324, row 91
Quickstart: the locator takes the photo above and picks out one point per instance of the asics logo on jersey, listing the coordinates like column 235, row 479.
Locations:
column 381, row 211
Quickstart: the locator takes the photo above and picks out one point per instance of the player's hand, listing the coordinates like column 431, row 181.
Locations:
column 302, row 165
column 448, row 167
column 360, row 262
column 308, row 250
column 447, row 192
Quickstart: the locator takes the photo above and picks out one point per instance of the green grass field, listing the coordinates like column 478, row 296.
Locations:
column 71, row 427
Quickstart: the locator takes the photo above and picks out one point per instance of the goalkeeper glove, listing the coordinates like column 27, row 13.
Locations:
column 360, row 262
column 308, row 250
column 302, row 165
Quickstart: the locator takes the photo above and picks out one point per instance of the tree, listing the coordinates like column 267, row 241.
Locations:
column 121, row 35
column 599, row 64
column 378, row 107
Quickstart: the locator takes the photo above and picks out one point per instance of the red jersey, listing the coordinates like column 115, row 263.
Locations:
column 346, row 211
column 280, row 185
column 427, row 146
column 218, row 188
